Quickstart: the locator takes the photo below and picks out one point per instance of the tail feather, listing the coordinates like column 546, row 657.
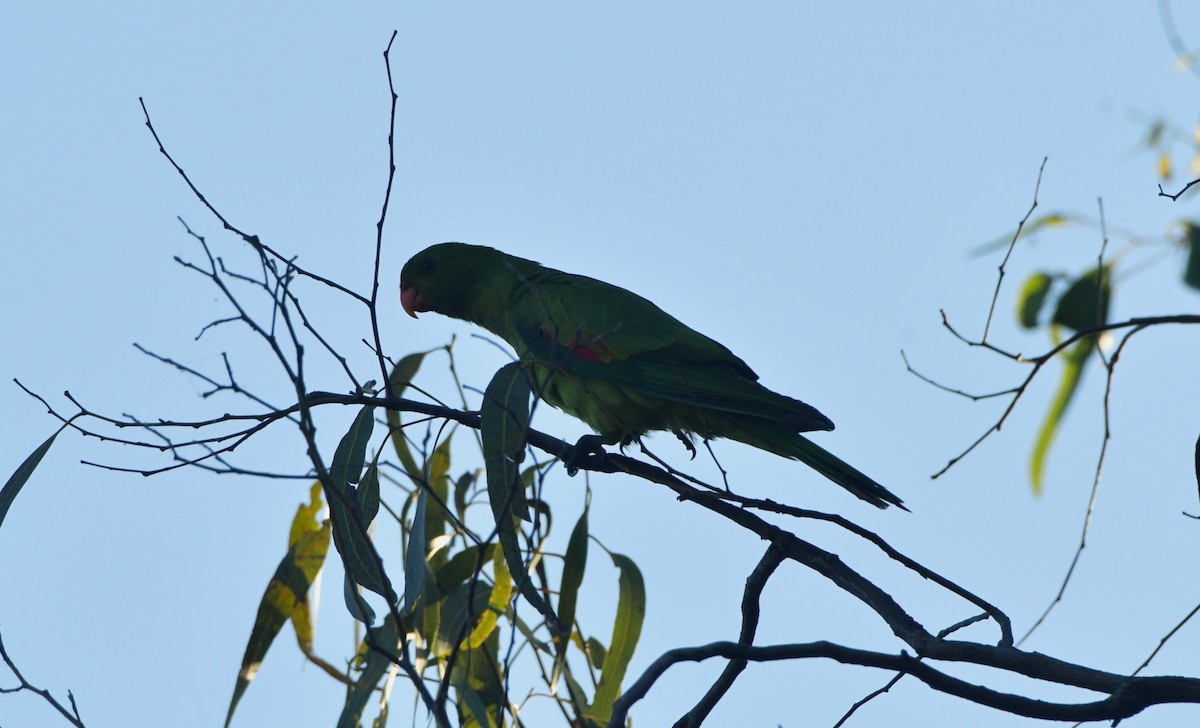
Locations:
column 782, row 441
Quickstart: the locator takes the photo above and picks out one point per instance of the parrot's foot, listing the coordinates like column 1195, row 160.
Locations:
column 687, row 442
column 588, row 453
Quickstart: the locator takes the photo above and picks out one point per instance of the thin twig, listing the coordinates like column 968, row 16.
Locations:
column 751, row 609
column 1020, row 226
column 387, row 198
column 72, row 715
column 1163, row 642
column 251, row 239
column 1110, row 367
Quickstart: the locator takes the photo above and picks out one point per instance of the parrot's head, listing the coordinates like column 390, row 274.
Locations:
column 448, row 278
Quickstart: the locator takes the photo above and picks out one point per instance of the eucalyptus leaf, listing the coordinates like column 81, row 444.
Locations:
column 1073, row 362
column 574, row 563
column 363, row 563
column 1085, row 303
column 1032, row 297
column 1191, row 272
column 19, row 477
column 504, row 421
column 627, row 629
column 376, row 665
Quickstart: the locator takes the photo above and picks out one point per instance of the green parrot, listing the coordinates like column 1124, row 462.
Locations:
column 618, row 362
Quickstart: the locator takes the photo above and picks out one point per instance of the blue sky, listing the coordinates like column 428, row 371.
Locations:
column 803, row 182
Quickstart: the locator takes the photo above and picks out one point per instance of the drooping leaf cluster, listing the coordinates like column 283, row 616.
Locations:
column 459, row 587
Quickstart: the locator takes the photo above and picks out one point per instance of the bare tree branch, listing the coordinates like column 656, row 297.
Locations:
column 72, row 716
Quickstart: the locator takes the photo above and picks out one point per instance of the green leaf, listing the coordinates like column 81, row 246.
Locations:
column 1154, row 133
column 504, row 423
column 462, row 566
column 574, row 563
column 351, row 453
column 627, row 629
column 356, row 605
column 458, row 611
column 1049, row 220
column 1085, row 303
column 17, row 480
column 385, row 696
column 1032, row 297
column 376, row 665
column 574, row 690
column 462, row 489
column 286, row 596
column 596, row 652
column 404, row 371
column 401, row 376
column 1073, row 362
column 414, row 560
column 368, row 494
column 1191, row 273
column 504, row 420
column 1198, row 462
column 346, row 511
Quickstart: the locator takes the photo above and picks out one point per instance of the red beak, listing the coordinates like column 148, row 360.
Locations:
column 411, row 300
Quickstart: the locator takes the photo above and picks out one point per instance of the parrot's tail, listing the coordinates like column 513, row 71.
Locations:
column 783, row 441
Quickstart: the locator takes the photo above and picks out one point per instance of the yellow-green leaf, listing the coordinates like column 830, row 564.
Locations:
column 1073, row 362
column 436, row 517
column 286, row 592
column 1049, row 220
column 1164, row 166
column 497, row 602
column 1032, row 297
column 473, row 710
column 627, row 629
column 479, row 681
column 303, row 523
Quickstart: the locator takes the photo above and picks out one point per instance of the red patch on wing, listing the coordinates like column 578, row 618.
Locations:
column 594, row 353
column 585, row 353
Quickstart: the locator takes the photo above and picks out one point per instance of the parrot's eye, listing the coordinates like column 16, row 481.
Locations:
column 428, row 265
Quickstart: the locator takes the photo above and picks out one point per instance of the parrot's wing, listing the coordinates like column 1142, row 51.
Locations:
column 595, row 331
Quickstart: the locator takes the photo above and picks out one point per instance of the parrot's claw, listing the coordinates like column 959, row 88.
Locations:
column 588, row 453
column 687, row 442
